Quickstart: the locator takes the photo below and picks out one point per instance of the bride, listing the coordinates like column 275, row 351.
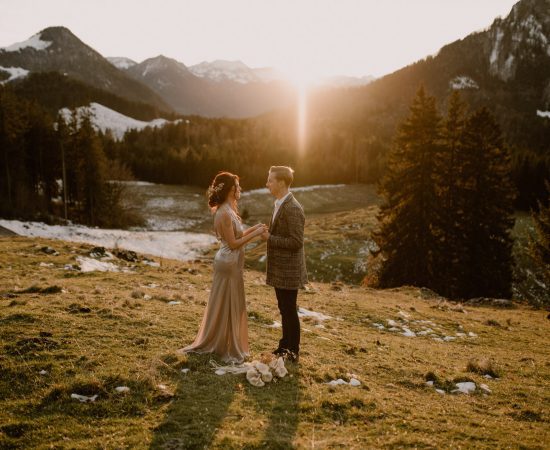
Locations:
column 224, row 327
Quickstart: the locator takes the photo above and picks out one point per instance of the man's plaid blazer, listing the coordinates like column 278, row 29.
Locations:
column 286, row 262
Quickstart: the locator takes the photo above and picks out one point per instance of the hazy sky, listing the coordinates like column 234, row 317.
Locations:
column 306, row 38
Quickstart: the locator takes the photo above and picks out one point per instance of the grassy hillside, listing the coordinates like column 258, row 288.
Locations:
column 63, row 332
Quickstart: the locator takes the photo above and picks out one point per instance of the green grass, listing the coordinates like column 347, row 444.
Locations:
column 96, row 333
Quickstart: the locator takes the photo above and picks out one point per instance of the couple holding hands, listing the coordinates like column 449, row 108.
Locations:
column 224, row 327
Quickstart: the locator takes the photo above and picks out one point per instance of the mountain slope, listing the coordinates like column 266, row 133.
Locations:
column 57, row 49
column 189, row 94
column 506, row 67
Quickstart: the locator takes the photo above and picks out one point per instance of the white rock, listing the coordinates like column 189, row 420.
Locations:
column 472, row 334
column 392, row 323
column 485, row 388
column 184, row 371
column 220, row 372
column 43, row 372
column 122, row 389
column 162, row 386
column 84, row 398
column 174, row 303
column 449, row 338
column 465, row 387
column 440, row 391
column 429, row 383
column 408, row 333
column 337, row 382
column 147, row 297
column 354, row 382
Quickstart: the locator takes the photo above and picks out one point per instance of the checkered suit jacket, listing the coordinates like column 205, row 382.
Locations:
column 286, row 262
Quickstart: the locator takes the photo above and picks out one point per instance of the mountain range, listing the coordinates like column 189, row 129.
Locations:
column 210, row 89
column 506, row 67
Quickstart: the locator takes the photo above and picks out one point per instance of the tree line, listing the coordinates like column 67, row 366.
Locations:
column 55, row 168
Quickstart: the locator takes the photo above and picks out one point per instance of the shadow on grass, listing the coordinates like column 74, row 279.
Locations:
column 202, row 401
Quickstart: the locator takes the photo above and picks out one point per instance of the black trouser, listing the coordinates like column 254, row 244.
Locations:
column 286, row 300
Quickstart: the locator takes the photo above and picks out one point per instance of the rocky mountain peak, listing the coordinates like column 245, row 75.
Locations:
column 523, row 34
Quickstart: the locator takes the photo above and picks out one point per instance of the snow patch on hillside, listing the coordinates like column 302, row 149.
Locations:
column 34, row 42
column 121, row 62
column 179, row 245
column 463, row 82
column 15, row 72
column 104, row 119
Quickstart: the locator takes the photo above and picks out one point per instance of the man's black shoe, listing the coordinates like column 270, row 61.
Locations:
column 280, row 351
column 291, row 357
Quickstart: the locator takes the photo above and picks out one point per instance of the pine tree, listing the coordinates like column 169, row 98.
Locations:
column 408, row 188
column 487, row 201
column 449, row 215
column 92, row 175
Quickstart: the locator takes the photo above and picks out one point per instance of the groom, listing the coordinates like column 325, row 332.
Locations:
column 286, row 263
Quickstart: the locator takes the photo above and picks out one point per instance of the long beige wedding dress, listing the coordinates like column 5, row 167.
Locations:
column 224, row 327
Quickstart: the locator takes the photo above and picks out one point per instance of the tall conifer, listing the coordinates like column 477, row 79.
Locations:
column 408, row 188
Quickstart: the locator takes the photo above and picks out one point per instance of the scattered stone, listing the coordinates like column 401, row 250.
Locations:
column 174, row 303
column 49, row 251
column 465, row 387
column 122, row 389
column 43, row 372
column 408, row 333
column 150, row 262
column 485, row 388
column 84, row 398
column 126, row 255
column 98, row 252
column 440, row 391
column 185, row 370
column 75, row 308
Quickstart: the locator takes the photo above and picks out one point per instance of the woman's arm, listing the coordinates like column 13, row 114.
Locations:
column 228, row 234
column 251, row 229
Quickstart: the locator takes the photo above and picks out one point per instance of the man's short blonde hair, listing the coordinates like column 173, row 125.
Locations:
column 283, row 173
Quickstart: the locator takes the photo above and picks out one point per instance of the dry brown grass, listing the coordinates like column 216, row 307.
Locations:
column 101, row 331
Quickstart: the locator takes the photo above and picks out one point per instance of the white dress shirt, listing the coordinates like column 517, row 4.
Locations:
column 278, row 204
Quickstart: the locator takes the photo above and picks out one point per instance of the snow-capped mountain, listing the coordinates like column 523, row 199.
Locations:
column 345, row 81
column 121, row 62
column 223, row 96
column 56, row 49
column 220, row 70
column 105, row 119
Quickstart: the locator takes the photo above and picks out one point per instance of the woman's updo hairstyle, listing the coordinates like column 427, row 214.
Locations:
column 219, row 189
